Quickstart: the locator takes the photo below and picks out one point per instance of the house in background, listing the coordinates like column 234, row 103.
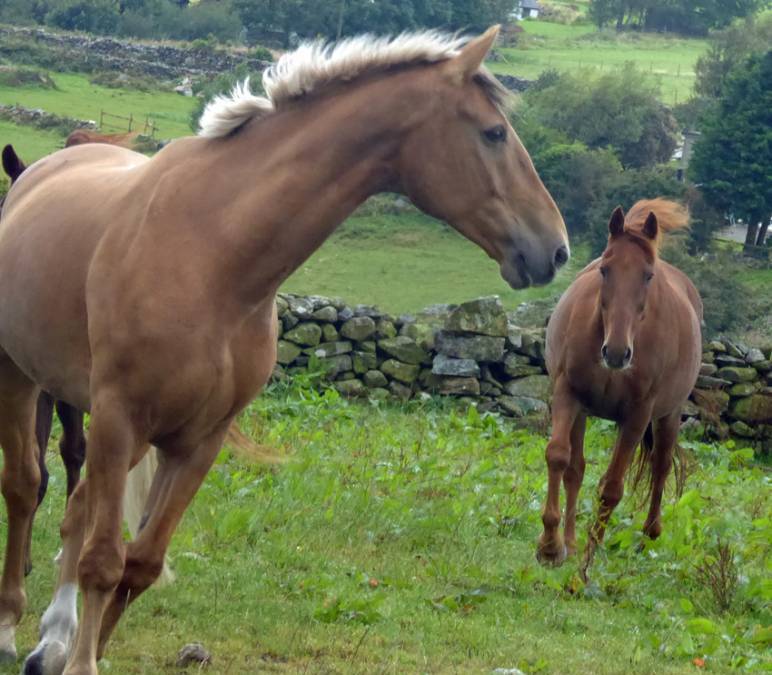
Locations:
column 526, row 9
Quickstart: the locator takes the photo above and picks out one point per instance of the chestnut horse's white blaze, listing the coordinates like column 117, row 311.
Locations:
column 155, row 280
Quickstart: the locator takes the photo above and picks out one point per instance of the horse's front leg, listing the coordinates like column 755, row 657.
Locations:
column 612, row 485
column 572, row 481
column 178, row 477
column 114, row 444
column 565, row 408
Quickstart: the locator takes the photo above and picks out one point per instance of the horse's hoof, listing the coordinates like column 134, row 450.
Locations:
column 7, row 655
column 48, row 659
column 550, row 559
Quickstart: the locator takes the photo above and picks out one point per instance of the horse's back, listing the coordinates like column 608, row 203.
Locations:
column 52, row 222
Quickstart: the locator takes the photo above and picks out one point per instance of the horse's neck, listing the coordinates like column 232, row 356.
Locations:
column 297, row 175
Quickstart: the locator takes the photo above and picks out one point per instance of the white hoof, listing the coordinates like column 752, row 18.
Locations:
column 7, row 644
column 49, row 658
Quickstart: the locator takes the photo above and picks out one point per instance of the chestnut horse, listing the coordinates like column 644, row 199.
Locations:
column 623, row 344
column 82, row 136
column 143, row 289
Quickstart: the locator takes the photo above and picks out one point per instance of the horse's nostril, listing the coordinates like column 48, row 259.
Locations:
column 604, row 351
column 628, row 354
column 561, row 256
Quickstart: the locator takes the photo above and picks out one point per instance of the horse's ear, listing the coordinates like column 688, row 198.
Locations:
column 650, row 226
column 472, row 55
column 12, row 165
column 616, row 225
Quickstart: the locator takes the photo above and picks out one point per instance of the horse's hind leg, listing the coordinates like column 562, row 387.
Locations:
column 572, row 481
column 176, row 481
column 43, row 420
column 72, row 446
column 565, row 409
column 19, row 483
column 665, row 436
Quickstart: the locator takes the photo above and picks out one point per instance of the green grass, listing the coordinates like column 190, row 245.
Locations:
column 401, row 540
column 404, row 263
column 30, row 143
column 76, row 97
column 669, row 59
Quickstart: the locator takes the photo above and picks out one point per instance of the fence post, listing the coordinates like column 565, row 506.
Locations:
column 130, row 120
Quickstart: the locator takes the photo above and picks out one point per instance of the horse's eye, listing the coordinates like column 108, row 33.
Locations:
column 604, row 272
column 497, row 134
column 648, row 277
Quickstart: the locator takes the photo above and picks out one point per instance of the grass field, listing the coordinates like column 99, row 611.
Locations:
column 404, row 263
column 76, row 97
column 400, row 539
column 669, row 59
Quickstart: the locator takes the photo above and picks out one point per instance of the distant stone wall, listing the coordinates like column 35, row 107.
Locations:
column 41, row 119
column 474, row 350
column 159, row 60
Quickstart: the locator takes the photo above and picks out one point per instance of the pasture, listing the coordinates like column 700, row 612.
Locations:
column 401, row 538
column 668, row 59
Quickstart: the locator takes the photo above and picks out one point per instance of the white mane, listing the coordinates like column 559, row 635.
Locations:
column 316, row 64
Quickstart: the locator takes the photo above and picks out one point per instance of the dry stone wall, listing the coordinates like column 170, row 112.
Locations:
column 475, row 351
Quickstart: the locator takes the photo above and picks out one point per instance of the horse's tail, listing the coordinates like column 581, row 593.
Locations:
column 134, row 500
column 670, row 216
column 642, row 469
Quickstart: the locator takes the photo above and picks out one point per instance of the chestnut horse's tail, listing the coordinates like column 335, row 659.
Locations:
column 642, row 473
column 670, row 216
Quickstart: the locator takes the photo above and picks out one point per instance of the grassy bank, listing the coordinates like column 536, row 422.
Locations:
column 401, row 540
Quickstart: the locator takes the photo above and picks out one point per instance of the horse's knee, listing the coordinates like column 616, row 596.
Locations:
column 19, row 486
column 141, row 572
column 558, row 455
column 611, row 494
column 101, row 564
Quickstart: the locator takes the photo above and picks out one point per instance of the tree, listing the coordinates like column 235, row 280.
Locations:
column 617, row 110
column 92, row 16
column 732, row 160
column 728, row 48
column 690, row 17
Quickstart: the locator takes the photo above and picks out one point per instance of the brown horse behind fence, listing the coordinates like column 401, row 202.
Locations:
column 623, row 344
column 83, row 136
column 143, row 289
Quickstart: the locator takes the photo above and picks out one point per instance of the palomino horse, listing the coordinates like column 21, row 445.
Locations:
column 623, row 344
column 155, row 280
column 72, row 444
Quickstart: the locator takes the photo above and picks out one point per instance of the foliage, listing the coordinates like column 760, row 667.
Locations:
column 91, row 16
column 727, row 302
column 727, row 50
column 732, row 160
column 690, row 17
column 286, row 19
column 617, row 110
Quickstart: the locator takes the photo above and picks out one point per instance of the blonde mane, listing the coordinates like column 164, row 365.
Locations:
column 315, row 65
column 670, row 216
